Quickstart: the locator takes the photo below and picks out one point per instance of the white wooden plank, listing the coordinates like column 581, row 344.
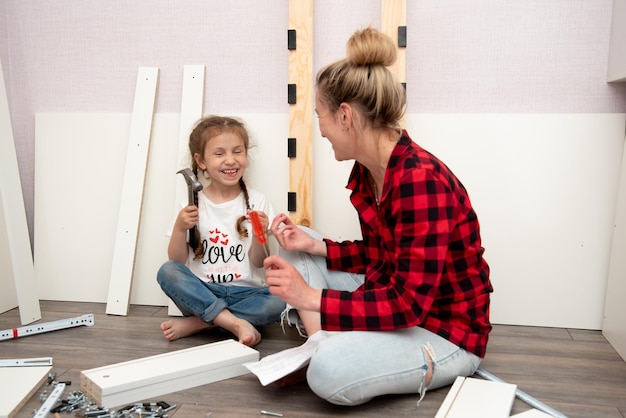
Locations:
column 17, row 272
column 532, row 413
column 24, row 381
column 190, row 112
column 477, row 398
column 614, row 307
column 136, row 380
column 132, row 192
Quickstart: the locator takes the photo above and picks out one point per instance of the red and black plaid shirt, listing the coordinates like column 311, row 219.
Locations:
column 421, row 255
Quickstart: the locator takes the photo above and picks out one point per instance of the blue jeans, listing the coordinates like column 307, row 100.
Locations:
column 352, row 367
column 195, row 297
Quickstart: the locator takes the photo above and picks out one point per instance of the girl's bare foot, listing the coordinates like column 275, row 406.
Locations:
column 242, row 329
column 247, row 334
column 176, row 328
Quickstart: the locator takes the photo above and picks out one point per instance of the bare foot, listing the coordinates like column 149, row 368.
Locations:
column 176, row 328
column 293, row 378
column 246, row 333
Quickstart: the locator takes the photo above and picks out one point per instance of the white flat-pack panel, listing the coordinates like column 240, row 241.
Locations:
column 148, row 377
column 615, row 309
column 191, row 106
column 78, row 178
column 127, row 231
column 477, row 398
column 18, row 385
column 17, row 273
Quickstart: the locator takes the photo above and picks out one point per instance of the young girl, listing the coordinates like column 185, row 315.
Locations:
column 219, row 283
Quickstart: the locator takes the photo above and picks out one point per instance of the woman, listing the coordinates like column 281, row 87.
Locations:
column 411, row 299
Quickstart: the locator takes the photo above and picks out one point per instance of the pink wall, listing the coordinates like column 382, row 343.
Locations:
column 486, row 56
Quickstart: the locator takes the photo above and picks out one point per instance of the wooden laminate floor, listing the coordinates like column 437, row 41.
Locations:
column 574, row 371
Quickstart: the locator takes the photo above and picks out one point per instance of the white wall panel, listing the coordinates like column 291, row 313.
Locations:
column 544, row 188
column 78, row 189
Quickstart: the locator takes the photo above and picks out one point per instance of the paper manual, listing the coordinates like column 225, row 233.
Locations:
column 275, row 366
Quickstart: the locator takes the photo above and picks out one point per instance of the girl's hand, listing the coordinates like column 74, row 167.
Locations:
column 265, row 221
column 289, row 236
column 187, row 218
column 288, row 284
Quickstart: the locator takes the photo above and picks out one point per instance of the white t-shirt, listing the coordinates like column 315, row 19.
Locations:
column 225, row 259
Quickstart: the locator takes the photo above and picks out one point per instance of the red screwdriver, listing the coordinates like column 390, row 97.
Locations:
column 255, row 220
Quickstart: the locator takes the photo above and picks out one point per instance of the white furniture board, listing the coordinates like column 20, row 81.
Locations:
column 136, row 380
column 77, row 199
column 532, row 413
column 476, row 398
column 18, row 385
column 17, row 272
column 191, row 106
column 613, row 327
column 127, row 231
column 616, row 69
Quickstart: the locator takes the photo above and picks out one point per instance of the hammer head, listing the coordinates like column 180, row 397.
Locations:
column 193, row 185
column 190, row 179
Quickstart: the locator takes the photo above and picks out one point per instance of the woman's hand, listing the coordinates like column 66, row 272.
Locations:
column 289, row 236
column 288, row 284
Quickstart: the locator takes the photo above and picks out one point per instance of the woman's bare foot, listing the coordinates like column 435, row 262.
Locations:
column 293, row 378
column 176, row 328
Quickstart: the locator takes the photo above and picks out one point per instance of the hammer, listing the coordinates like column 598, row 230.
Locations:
column 193, row 187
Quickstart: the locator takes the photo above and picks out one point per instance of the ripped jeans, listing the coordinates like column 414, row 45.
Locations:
column 352, row 367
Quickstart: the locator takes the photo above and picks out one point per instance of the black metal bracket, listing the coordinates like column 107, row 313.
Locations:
column 291, row 93
column 402, row 36
column 291, row 39
column 291, row 201
column 291, row 147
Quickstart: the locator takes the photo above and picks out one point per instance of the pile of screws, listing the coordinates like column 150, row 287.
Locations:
column 85, row 407
column 138, row 410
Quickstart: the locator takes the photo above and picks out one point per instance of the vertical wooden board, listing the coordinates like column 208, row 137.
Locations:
column 17, row 272
column 614, row 307
column 301, row 113
column 132, row 192
column 156, row 211
column 393, row 16
column 190, row 112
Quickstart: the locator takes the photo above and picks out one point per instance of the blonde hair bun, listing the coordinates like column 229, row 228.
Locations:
column 371, row 47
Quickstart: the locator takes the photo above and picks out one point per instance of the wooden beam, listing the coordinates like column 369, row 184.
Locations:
column 301, row 112
column 393, row 18
column 132, row 192
column 17, row 255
